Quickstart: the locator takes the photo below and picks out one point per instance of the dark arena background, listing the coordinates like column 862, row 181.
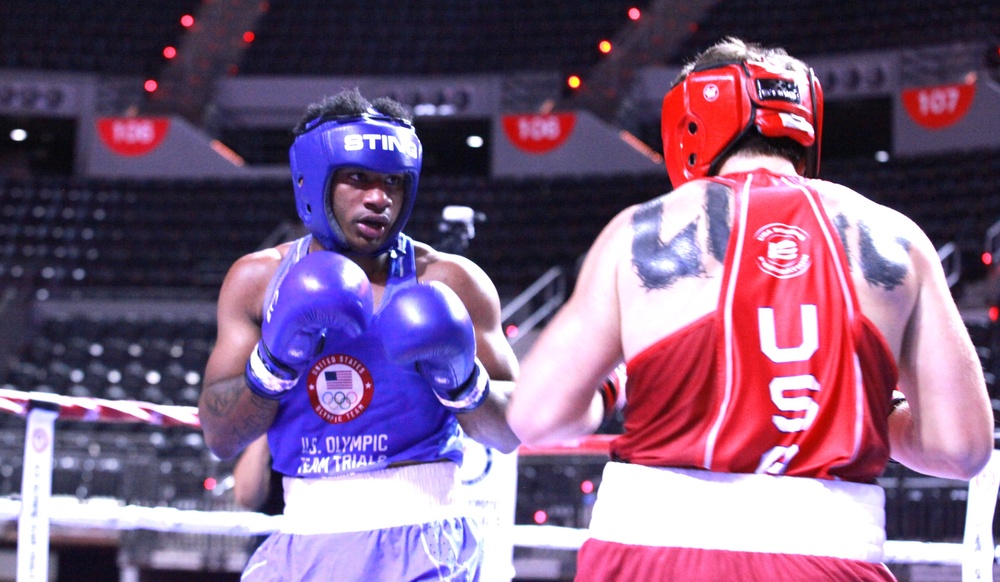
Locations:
column 143, row 148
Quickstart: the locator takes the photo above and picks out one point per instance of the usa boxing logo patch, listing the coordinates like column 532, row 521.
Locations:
column 711, row 92
column 340, row 388
column 785, row 253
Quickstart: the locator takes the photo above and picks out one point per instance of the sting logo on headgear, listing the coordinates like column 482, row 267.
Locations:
column 373, row 141
column 379, row 141
column 704, row 115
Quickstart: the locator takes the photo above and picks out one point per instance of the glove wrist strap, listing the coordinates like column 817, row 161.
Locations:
column 263, row 382
column 898, row 400
column 470, row 395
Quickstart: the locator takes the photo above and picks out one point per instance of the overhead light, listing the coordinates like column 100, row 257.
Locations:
column 424, row 109
column 442, row 101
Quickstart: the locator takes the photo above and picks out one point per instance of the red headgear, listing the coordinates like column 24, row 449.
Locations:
column 706, row 113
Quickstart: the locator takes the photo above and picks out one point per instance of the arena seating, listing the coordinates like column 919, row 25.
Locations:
column 953, row 197
column 847, row 26
column 67, row 234
column 431, row 37
column 115, row 37
column 315, row 37
column 70, row 237
column 320, row 38
column 64, row 233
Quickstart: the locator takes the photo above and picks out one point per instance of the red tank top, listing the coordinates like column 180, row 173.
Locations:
column 786, row 377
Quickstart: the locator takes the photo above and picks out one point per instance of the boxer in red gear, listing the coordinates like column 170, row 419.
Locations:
column 765, row 317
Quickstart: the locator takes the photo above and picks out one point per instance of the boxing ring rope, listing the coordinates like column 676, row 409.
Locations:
column 37, row 509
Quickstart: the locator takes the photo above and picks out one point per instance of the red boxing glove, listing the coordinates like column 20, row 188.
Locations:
column 612, row 390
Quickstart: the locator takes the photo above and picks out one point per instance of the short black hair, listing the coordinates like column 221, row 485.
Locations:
column 347, row 103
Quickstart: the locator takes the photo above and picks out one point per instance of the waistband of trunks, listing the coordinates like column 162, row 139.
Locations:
column 688, row 508
column 365, row 501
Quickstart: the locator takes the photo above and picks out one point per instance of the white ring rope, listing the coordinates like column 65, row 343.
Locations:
column 107, row 514
column 100, row 410
column 71, row 512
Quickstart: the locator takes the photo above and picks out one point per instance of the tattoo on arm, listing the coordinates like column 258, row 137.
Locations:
column 717, row 210
column 659, row 265
column 878, row 268
column 259, row 420
column 221, row 400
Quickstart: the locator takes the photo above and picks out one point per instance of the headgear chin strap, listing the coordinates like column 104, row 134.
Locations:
column 712, row 108
column 372, row 141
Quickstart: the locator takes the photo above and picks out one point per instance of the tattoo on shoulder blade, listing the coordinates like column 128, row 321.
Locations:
column 659, row 265
column 842, row 224
column 717, row 210
column 877, row 266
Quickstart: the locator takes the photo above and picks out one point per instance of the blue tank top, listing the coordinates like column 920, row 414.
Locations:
column 354, row 410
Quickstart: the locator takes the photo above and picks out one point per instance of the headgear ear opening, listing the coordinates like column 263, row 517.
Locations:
column 704, row 115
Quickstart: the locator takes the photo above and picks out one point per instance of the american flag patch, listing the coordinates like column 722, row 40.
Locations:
column 338, row 380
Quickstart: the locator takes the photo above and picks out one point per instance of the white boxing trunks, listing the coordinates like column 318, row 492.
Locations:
column 397, row 524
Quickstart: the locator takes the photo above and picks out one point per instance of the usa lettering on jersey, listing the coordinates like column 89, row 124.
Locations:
column 794, row 363
column 775, row 460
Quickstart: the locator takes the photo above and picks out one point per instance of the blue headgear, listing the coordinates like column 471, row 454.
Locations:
column 373, row 141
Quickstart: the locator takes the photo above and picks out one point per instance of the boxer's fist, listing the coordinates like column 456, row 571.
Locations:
column 427, row 325
column 324, row 293
column 612, row 391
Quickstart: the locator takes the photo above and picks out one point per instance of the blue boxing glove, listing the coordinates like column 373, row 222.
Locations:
column 427, row 325
column 323, row 293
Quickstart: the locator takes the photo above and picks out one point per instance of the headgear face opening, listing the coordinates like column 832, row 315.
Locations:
column 371, row 141
column 712, row 108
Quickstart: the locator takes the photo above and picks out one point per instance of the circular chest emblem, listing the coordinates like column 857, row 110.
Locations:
column 785, row 250
column 340, row 388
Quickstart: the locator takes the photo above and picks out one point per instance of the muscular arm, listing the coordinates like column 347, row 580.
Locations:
column 946, row 429
column 231, row 416
column 486, row 424
column 554, row 398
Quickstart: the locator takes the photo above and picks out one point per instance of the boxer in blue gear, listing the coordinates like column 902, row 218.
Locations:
column 364, row 356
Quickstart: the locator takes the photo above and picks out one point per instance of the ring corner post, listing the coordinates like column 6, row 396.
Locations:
column 36, row 490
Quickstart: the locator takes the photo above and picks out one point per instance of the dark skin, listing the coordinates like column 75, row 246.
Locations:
column 366, row 205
